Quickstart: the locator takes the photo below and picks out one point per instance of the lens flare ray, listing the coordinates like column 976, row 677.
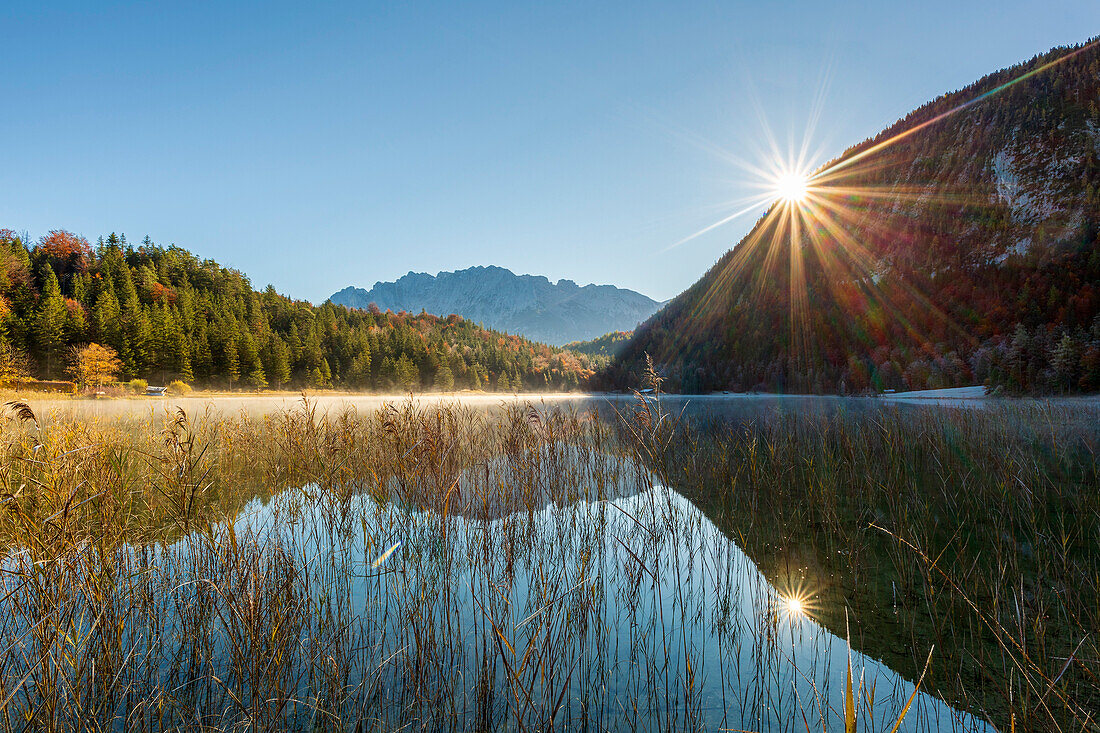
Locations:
column 838, row 245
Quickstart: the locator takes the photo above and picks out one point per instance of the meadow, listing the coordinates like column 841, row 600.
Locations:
column 623, row 565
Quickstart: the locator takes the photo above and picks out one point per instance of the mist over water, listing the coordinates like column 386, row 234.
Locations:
column 729, row 405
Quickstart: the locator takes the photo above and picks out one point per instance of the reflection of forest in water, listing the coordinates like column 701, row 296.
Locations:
column 919, row 526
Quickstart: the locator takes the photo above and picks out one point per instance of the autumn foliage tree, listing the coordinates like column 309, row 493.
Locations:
column 94, row 365
column 66, row 252
column 12, row 363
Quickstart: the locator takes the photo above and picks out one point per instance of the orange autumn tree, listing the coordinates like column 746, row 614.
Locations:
column 66, row 252
column 94, row 365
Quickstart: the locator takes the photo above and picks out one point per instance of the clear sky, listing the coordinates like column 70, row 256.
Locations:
column 317, row 145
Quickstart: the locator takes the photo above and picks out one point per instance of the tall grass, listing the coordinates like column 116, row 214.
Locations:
column 976, row 531
column 448, row 568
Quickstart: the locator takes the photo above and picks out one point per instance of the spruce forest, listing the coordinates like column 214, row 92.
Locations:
column 170, row 315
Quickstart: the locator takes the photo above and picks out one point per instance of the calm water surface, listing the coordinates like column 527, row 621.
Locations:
column 623, row 608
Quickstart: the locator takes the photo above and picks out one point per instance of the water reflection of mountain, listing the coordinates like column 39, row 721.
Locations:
column 533, row 477
column 527, row 480
column 648, row 597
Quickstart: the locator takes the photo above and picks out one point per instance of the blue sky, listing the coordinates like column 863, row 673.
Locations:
column 317, row 145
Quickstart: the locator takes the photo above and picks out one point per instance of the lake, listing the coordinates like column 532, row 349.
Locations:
column 499, row 565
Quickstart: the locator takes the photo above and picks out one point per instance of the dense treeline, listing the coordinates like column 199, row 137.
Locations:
column 608, row 345
column 967, row 250
column 169, row 316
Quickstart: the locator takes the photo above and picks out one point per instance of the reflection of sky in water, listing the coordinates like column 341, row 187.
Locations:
column 633, row 611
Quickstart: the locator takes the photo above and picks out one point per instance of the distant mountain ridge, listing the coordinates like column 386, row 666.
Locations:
column 529, row 305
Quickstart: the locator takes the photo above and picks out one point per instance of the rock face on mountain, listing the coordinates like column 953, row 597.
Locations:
column 529, row 305
column 959, row 246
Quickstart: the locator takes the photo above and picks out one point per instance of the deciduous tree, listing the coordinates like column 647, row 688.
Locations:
column 94, row 365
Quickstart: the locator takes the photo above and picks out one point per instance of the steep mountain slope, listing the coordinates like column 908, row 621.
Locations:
column 531, row 305
column 170, row 315
column 958, row 246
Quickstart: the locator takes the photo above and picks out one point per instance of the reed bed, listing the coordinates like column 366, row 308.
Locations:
column 973, row 531
column 445, row 568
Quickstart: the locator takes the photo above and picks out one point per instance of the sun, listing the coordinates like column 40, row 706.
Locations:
column 792, row 187
column 795, row 606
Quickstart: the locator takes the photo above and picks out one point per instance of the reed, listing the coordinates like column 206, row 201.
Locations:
column 522, row 568
column 974, row 531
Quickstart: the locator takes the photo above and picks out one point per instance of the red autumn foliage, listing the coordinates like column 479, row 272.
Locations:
column 66, row 248
column 74, row 308
column 163, row 293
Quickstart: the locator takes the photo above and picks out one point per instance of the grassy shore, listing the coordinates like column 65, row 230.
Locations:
column 310, row 568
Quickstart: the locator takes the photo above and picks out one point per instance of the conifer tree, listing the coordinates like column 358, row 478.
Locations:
column 231, row 362
column 444, row 378
column 179, row 348
column 278, row 362
column 49, row 323
column 107, row 318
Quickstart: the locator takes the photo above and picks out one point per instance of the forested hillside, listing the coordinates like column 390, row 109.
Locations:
column 610, row 344
column 959, row 246
column 170, row 316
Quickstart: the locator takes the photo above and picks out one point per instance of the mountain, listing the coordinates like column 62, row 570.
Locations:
column 168, row 315
column 959, row 246
column 531, row 305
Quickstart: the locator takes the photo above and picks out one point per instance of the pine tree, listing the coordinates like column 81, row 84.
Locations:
column 359, row 372
column 444, row 378
column 179, row 348
column 1065, row 362
column 294, row 345
column 408, row 377
column 278, row 362
column 247, row 353
column 232, row 363
column 257, row 379
column 202, row 358
column 107, row 318
column 135, row 338
column 49, row 323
